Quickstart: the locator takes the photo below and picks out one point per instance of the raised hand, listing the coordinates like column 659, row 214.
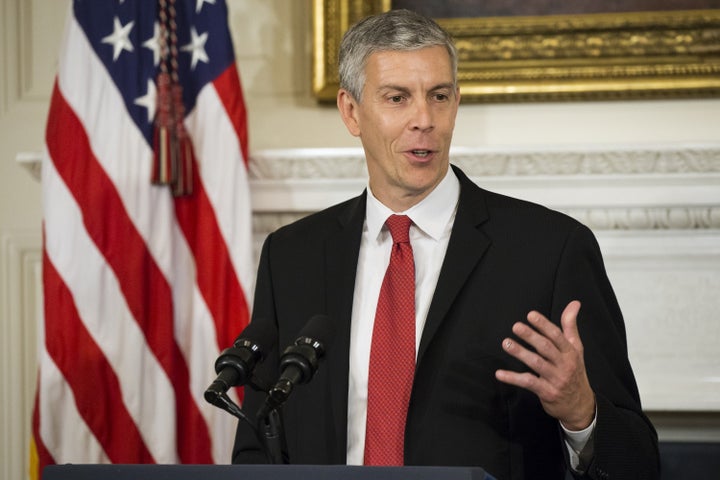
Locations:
column 559, row 379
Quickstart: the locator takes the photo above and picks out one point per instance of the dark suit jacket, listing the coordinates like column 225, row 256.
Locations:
column 505, row 257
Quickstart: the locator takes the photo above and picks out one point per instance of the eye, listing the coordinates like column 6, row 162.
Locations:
column 441, row 97
column 396, row 99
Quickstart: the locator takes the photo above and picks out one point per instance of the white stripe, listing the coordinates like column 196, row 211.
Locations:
column 225, row 179
column 146, row 391
column 69, row 440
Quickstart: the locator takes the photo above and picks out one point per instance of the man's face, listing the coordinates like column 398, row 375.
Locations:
column 405, row 122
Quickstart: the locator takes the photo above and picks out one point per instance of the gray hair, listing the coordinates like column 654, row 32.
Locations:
column 396, row 30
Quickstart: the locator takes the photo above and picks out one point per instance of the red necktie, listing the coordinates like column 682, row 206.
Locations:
column 392, row 353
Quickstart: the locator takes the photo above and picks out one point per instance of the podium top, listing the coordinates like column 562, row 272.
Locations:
column 259, row 472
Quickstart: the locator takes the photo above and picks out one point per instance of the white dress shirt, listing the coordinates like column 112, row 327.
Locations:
column 432, row 221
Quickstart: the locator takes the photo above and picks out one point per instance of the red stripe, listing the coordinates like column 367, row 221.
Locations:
column 145, row 289
column 230, row 92
column 44, row 456
column 95, row 386
column 216, row 276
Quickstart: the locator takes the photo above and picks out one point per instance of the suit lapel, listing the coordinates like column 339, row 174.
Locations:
column 466, row 246
column 341, row 254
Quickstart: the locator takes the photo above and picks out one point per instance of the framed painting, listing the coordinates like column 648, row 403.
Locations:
column 539, row 50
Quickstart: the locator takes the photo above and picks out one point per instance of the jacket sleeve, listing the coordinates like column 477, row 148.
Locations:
column 624, row 441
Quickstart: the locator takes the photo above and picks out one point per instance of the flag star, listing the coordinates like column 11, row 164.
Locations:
column 119, row 38
column 197, row 47
column 200, row 3
column 149, row 100
column 153, row 43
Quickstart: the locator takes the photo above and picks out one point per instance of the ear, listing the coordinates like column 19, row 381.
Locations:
column 348, row 111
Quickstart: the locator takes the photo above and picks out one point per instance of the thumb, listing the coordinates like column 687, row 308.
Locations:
column 568, row 320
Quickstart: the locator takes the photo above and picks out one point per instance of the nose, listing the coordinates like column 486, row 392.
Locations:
column 422, row 117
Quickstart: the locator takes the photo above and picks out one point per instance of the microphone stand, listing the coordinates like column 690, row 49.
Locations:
column 268, row 430
column 270, row 424
column 221, row 400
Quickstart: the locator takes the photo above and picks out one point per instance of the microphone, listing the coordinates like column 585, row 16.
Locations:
column 299, row 361
column 235, row 364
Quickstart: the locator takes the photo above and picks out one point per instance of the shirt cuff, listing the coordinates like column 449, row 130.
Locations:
column 576, row 441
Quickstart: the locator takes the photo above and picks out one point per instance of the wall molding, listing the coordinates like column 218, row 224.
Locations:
column 27, row 33
column 20, row 300
column 620, row 188
column 334, row 163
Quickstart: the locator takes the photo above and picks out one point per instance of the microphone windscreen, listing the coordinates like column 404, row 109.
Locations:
column 261, row 333
column 320, row 329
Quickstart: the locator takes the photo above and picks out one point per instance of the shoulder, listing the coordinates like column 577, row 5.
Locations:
column 332, row 219
column 502, row 211
column 515, row 210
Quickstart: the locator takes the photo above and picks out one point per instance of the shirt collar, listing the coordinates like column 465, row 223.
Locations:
column 431, row 215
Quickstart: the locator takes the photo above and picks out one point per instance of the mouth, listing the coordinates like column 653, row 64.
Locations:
column 421, row 153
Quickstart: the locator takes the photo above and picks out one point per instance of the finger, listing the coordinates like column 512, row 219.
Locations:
column 525, row 380
column 568, row 320
column 549, row 330
column 542, row 345
column 536, row 362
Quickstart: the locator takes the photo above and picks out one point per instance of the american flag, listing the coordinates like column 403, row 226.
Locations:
column 142, row 288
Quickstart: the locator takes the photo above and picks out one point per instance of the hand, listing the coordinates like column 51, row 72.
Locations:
column 560, row 380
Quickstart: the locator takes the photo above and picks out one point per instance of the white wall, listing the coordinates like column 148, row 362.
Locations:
column 272, row 41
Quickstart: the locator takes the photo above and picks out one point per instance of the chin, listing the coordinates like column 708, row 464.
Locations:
column 422, row 183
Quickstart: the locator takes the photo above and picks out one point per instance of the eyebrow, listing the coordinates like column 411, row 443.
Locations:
column 448, row 86
column 383, row 88
column 441, row 86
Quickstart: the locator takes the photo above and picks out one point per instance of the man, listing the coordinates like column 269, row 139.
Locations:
column 520, row 354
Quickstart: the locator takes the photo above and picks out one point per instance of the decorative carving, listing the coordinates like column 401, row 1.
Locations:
column 308, row 164
column 596, row 219
column 350, row 163
column 648, row 218
column 629, row 164
column 587, row 36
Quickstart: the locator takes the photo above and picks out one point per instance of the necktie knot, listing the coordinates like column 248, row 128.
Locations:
column 399, row 226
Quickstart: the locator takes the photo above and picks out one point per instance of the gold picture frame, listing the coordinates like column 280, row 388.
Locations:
column 562, row 57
